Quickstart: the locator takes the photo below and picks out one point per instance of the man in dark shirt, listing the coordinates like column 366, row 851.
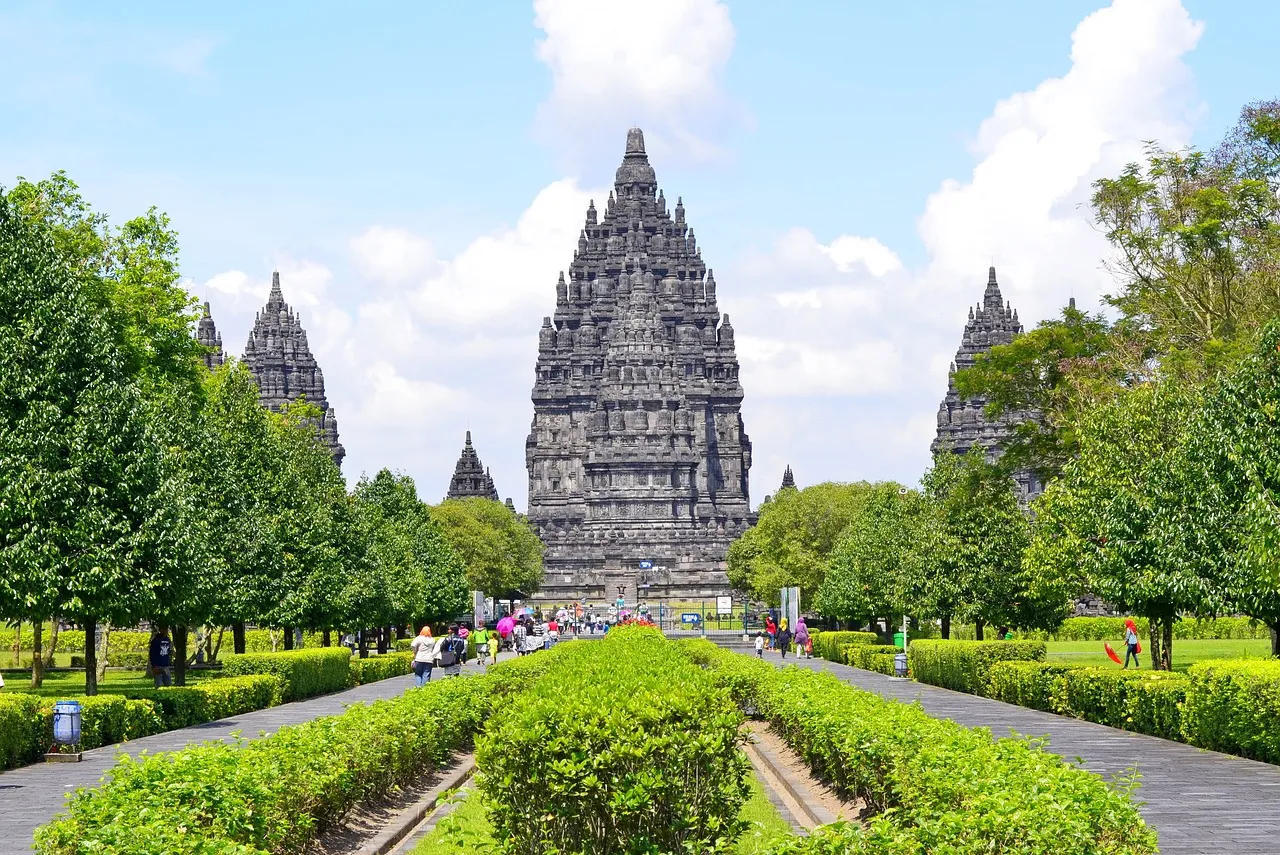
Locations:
column 161, row 658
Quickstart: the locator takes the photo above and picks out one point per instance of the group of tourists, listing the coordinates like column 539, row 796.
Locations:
column 779, row 636
column 446, row 653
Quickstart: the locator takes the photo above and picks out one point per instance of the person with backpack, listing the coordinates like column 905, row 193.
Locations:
column 160, row 658
column 448, row 653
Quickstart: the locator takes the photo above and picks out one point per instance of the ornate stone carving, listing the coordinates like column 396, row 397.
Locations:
column 636, row 392
column 961, row 422
column 207, row 334
column 280, row 359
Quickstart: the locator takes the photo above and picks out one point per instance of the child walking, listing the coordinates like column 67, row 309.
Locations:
column 760, row 644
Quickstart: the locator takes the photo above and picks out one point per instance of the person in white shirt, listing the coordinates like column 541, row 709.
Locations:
column 424, row 650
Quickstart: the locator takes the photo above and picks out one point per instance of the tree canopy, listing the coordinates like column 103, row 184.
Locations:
column 499, row 549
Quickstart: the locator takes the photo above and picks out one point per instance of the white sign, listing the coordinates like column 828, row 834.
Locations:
column 724, row 605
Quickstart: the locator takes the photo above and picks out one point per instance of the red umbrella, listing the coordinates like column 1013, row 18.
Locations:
column 506, row 626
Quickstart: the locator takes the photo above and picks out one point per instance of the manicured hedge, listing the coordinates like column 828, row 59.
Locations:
column 275, row 794
column 21, row 729
column 375, row 668
column 1027, row 684
column 1233, row 705
column 872, row 657
column 211, row 700
column 1147, row 702
column 105, row 720
column 830, row 645
column 963, row 665
column 622, row 746
column 1112, row 629
column 306, row 673
column 932, row 785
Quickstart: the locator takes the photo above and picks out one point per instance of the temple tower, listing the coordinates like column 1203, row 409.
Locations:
column 788, row 479
column 961, row 421
column 207, row 334
column 280, row 359
column 470, row 478
column 637, row 458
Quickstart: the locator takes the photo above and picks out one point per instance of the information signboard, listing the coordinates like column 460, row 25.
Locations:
column 724, row 605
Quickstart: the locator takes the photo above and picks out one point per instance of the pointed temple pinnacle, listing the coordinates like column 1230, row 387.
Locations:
column 468, row 437
column 635, row 142
column 276, row 294
column 207, row 313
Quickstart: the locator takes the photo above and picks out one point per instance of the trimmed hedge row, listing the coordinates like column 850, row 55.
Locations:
column 383, row 667
column 1234, row 706
column 830, row 645
column 211, row 700
column 623, row 745
column 21, row 729
column 872, row 657
column 963, row 665
column 933, row 785
column 1112, row 628
column 275, row 794
column 1028, row 684
column 305, row 673
column 1147, row 702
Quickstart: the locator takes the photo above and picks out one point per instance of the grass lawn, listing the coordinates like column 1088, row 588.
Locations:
column 1186, row 652
column 71, row 683
column 467, row 829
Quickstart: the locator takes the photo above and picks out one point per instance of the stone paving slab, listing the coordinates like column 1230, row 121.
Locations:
column 1198, row 801
column 32, row 795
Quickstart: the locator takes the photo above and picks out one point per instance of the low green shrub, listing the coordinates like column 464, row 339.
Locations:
column 872, row 657
column 1112, row 629
column 1027, row 684
column 830, row 645
column 1147, row 702
column 106, row 720
column 963, row 665
column 932, row 785
column 211, row 700
column 623, row 745
column 259, row 641
column 21, row 729
column 1233, row 705
column 383, row 667
column 306, row 673
column 275, row 794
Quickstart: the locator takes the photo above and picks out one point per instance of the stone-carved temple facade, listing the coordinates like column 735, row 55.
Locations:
column 280, row 360
column 637, row 452
column 207, row 334
column 470, row 478
column 961, row 422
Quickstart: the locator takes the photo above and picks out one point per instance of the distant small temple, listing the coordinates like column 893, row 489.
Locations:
column 788, row 480
column 470, row 478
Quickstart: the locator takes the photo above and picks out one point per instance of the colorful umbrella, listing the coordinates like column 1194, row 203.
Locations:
column 506, row 625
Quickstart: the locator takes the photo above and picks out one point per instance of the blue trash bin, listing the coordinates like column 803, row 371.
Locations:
column 66, row 722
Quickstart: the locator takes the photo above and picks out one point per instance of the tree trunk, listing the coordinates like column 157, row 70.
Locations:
column 325, row 640
column 237, row 636
column 52, row 647
column 946, row 627
column 17, row 645
column 179, row 658
column 90, row 658
column 384, row 633
column 1275, row 638
column 104, row 659
column 37, row 654
column 288, row 638
column 1153, row 636
column 211, row 649
column 1166, row 649
column 364, row 644
column 978, row 626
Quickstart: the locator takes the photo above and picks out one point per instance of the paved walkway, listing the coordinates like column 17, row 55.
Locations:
column 1198, row 801
column 32, row 795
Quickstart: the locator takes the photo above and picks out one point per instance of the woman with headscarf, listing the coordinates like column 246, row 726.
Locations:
column 802, row 637
column 784, row 638
column 423, row 647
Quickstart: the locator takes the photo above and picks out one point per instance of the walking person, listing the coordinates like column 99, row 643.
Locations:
column 424, row 648
column 160, row 658
column 446, row 655
column 483, row 636
column 772, row 629
column 784, row 639
column 517, row 638
column 760, row 644
column 1131, row 644
column 802, row 637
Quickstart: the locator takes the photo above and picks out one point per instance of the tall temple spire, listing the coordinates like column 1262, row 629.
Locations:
column 788, row 479
column 471, row 478
column 279, row 357
column 962, row 424
column 207, row 334
column 637, row 455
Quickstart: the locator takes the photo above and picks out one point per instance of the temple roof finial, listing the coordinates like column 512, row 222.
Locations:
column 635, row 141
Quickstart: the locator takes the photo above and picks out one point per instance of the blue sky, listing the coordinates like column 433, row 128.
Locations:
column 418, row 172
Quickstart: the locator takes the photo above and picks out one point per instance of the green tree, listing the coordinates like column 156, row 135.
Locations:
column 1044, row 377
column 500, row 550
column 81, row 471
column 793, row 539
column 1111, row 522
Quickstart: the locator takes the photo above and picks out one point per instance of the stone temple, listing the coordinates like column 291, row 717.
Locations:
column 280, row 360
column 637, row 458
column 470, row 478
column 207, row 334
column 961, row 422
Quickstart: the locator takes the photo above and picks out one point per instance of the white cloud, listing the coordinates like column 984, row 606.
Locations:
column 657, row 64
column 392, row 255
column 853, row 325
